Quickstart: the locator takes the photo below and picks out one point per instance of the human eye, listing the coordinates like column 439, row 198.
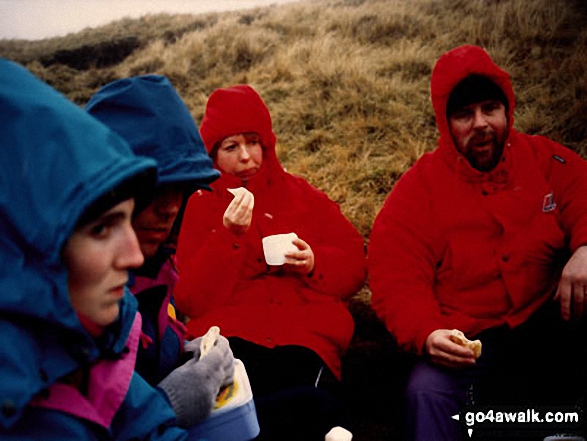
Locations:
column 461, row 114
column 106, row 225
column 254, row 140
column 101, row 228
column 491, row 106
column 229, row 148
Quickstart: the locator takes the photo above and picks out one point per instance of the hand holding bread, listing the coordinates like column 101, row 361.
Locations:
column 451, row 349
column 239, row 213
column 459, row 338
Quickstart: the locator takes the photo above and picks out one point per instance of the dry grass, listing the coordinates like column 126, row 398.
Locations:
column 347, row 81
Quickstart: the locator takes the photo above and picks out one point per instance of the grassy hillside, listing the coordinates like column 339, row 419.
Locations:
column 347, row 83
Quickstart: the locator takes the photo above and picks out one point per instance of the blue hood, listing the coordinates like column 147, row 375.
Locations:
column 149, row 114
column 55, row 162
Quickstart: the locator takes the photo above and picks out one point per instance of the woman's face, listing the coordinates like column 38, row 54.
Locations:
column 98, row 256
column 240, row 155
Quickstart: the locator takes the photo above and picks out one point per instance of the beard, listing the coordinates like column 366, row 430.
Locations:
column 484, row 150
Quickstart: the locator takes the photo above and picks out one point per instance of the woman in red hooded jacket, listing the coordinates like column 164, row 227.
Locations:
column 288, row 323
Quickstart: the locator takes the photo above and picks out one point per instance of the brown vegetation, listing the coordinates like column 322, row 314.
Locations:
column 347, row 83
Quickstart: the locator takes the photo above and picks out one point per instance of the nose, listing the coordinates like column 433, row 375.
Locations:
column 479, row 120
column 129, row 252
column 244, row 155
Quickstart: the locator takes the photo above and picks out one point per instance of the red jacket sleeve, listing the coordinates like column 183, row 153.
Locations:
column 339, row 252
column 402, row 266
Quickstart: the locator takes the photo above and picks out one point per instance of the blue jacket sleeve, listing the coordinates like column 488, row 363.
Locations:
column 146, row 414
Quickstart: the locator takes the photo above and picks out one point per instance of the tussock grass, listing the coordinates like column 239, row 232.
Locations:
column 347, row 81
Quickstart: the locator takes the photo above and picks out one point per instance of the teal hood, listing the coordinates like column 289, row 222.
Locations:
column 56, row 160
column 148, row 113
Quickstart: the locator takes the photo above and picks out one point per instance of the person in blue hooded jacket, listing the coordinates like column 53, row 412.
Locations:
column 69, row 328
column 56, row 163
column 148, row 113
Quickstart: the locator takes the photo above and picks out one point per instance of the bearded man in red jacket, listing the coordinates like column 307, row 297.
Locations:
column 487, row 235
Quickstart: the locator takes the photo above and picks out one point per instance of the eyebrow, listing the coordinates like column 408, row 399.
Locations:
column 227, row 141
column 110, row 216
column 482, row 103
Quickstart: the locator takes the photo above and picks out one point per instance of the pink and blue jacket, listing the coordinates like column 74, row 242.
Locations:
column 163, row 334
column 56, row 381
column 148, row 113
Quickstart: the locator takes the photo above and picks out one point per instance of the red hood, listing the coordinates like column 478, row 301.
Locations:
column 454, row 66
column 234, row 110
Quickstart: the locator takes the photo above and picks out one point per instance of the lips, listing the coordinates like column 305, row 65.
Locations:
column 482, row 140
column 118, row 291
column 158, row 234
column 482, row 145
column 247, row 173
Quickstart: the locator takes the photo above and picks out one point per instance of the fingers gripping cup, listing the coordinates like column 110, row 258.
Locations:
column 276, row 246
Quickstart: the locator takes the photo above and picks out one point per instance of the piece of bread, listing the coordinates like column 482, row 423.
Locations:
column 459, row 338
column 240, row 190
column 236, row 191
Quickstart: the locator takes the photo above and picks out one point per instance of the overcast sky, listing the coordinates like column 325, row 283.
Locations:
column 37, row 19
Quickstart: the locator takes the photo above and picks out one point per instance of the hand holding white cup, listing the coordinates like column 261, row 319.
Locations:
column 276, row 246
column 289, row 250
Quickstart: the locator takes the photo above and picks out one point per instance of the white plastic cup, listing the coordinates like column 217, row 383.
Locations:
column 276, row 246
column 338, row 434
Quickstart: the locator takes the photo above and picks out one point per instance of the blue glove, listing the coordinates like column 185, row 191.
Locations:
column 193, row 387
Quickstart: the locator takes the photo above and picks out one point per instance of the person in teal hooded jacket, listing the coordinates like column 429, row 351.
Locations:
column 69, row 328
column 67, row 370
column 148, row 113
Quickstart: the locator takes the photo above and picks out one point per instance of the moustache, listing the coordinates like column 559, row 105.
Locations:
column 482, row 138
